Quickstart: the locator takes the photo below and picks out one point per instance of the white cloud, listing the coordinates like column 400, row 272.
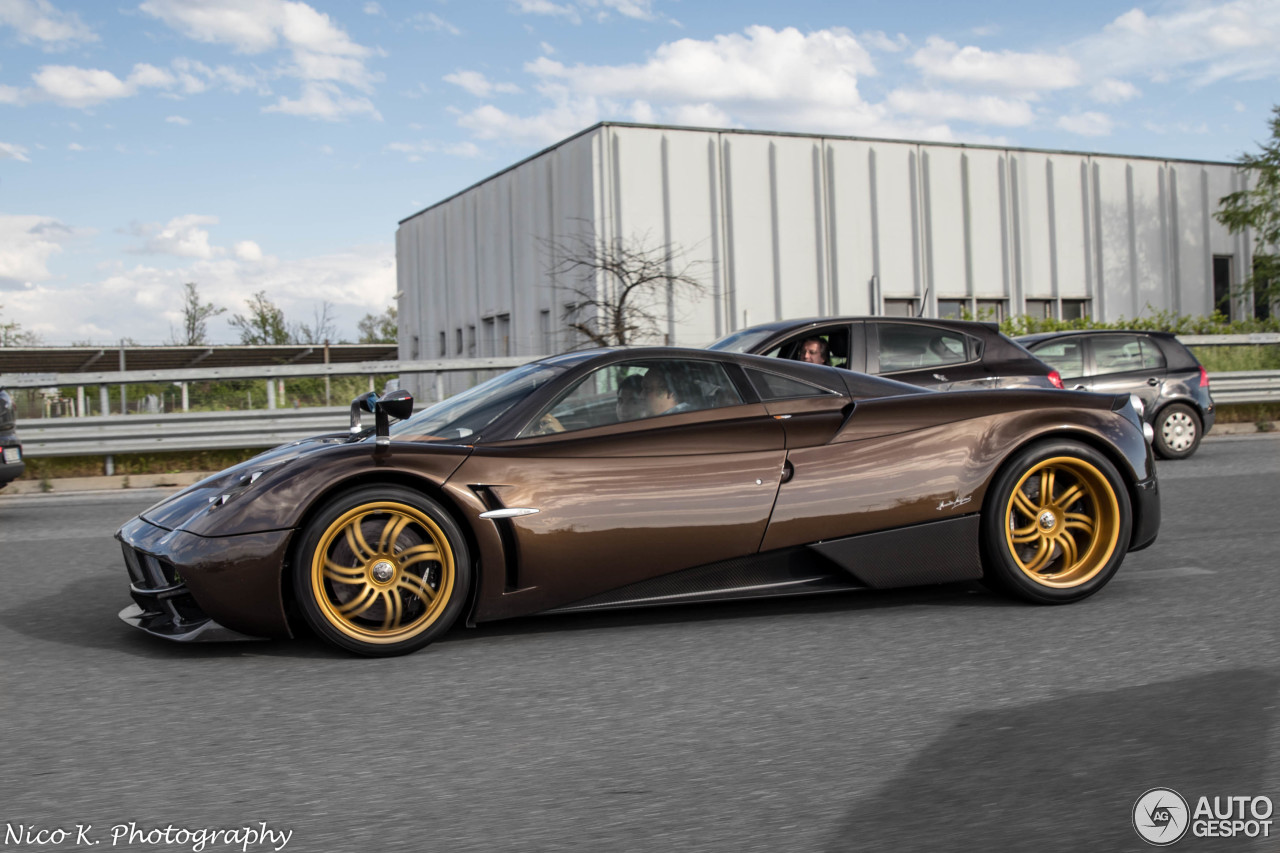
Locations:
column 144, row 302
column 478, row 85
column 76, row 146
column 10, row 95
column 372, row 8
column 761, row 78
column 430, row 22
column 879, row 40
column 322, row 56
column 247, row 250
column 87, row 87
column 324, row 101
column 181, row 237
column 1200, row 41
column 982, row 109
column 1008, row 70
column 14, row 152
column 39, row 22
column 546, row 7
column 185, row 122
column 1086, row 124
column 416, row 152
column 26, row 244
column 1110, row 91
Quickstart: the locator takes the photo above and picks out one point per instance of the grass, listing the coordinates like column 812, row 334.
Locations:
column 59, row 467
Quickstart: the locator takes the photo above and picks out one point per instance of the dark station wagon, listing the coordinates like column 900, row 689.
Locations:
column 944, row 355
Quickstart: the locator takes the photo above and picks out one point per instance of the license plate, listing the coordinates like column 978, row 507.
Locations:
column 12, row 454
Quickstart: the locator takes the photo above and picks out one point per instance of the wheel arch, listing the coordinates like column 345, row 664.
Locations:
column 1109, row 451
column 424, row 485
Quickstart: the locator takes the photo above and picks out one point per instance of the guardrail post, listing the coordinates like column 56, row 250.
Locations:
column 79, row 401
column 108, row 465
column 185, row 406
column 271, row 393
column 104, row 400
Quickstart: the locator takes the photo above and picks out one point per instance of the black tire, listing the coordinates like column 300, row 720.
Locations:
column 1178, row 428
column 381, row 571
column 1056, row 523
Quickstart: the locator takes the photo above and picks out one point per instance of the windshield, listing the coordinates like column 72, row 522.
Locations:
column 467, row 414
column 746, row 340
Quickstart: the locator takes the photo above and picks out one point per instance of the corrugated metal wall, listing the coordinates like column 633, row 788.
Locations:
column 793, row 226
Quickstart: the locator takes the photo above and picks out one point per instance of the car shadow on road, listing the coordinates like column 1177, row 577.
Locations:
column 1064, row 774
column 953, row 595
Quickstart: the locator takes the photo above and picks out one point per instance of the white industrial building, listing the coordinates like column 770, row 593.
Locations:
column 792, row 225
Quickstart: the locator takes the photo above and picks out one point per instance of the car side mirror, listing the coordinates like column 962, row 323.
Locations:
column 394, row 404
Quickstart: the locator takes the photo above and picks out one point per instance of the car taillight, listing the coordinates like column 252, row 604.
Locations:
column 1056, row 378
column 1204, row 377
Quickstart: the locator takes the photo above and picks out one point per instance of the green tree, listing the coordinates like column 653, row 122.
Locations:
column 195, row 319
column 379, row 328
column 264, row 325
column 1258, row 209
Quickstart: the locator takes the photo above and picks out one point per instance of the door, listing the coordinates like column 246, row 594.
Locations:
column 1125, row 363
column 625, row 491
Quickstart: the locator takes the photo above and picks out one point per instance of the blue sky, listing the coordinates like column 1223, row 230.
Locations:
column 250, row 145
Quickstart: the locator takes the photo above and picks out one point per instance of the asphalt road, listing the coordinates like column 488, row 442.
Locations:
column 940, row 719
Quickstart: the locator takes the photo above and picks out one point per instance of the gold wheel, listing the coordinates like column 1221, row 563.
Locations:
column 382, row 573
column 1062, row 522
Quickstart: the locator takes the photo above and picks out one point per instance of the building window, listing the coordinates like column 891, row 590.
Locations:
column 544, row 330
column 1075, row 309
column 1041, row 309
column 471, row 341
column 458, row 345
column 990, row 310
column 444, row 344
column 490, row 337
column 504, row 334
column 900, row 308
column 952, row 309
column 1222, row 284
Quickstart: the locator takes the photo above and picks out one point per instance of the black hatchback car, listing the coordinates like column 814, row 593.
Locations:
column 1156, row 366
column 940, row 354
column 11, row 464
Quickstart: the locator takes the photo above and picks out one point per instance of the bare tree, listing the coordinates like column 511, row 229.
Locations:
column 622, row 288
column 195, row 319
column 323, row 330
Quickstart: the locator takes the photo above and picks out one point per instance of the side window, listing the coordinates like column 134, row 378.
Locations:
column 771, row 386
column 1152, row 357
column 1116, row 353
column 829, row 345
column 1065, row 356
column 909, row 347
column 635, row 390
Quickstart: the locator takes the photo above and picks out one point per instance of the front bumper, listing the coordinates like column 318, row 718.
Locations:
column 1146, row 514
column 194, row 588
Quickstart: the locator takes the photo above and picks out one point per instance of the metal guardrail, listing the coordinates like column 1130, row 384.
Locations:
column 112, row 434
column 105, row 436
column 1245, row 386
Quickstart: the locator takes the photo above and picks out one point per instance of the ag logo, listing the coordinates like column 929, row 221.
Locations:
column 1161, row 816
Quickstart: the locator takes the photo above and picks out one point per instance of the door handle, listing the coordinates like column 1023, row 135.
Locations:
column 1153, row 381
column 939, row 377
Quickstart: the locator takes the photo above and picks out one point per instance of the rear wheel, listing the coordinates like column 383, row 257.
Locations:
column 1057, row 523
column 1177, row 429
column 382, row 571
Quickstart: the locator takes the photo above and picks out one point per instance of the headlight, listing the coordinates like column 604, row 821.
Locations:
column 1138, row 405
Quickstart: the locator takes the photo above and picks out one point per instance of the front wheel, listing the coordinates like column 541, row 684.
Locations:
column 1056, row 523
column 381, row 571
column 1177, row 431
